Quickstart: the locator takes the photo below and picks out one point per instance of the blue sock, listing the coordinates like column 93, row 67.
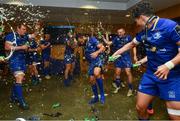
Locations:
column 118, row 82
column 130, row 86
column 66, row 82
column 101, row 88
column 33, row 77
column 13, row 93
column 45, row 71
column 37, row 78
column 70, row 77
column 95, row 91
column 18, row 91
column 150, row 106
column 48, row 70
column 19, row 94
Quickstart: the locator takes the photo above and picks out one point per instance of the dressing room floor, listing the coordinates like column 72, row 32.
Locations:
column 73, row 101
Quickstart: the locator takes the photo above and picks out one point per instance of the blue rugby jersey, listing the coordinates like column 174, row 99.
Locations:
column 163, row 37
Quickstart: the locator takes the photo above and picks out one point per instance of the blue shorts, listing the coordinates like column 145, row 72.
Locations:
column 168, row 90
column 69, row 59
column 17, row 64
column 32, row 59
column 92, row 65
column 123, row 62
column 46, row 58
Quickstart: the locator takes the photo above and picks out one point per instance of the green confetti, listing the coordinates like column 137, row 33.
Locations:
column 136, row 65
column 56, row 105
column 1, row 29
column 2, row 57
column 112, row 59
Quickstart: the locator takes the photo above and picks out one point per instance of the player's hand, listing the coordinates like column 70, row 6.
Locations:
column 24, row 47
column 94, row 54
column 135, row 59
column 139, row 62
column 113, row 56
column 32, row 36
column 162, row 72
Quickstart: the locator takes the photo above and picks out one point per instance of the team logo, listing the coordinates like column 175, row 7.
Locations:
column 171, row 94
column 157, row 35
column 163, row 50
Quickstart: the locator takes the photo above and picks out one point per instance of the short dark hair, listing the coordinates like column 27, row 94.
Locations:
column 143, row 8
column 19, row 25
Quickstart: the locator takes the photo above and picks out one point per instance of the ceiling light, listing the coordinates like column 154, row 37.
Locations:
column 128, row 15
column 89, row 7
column 86, row 13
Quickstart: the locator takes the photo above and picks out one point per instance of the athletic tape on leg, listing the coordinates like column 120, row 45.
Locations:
column 173, row 112
column 18, row 73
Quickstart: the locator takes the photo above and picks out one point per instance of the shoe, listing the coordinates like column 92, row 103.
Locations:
column 114, row 85
column 23, row 105
column 93, row 101
column 123, row 85
column 48, row 77
column 150, row 111
column 35, row 82
column 130, row 93
column 39, row 78
column 102, row 99
column 116, row 90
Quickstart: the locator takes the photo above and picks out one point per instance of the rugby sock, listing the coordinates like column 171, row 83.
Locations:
column 130, row 86
column 45, row 71
column 33, row 77
column 70, row 77
column 118, row 82
column 95, row 91
column 101, row 88
column 66, row 82
column 13, row 94
column 19, row 94
column 48, row 70
column 18, row 91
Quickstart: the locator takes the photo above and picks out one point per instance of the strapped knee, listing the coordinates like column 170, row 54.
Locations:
column 175, row 112
column 17, row 73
